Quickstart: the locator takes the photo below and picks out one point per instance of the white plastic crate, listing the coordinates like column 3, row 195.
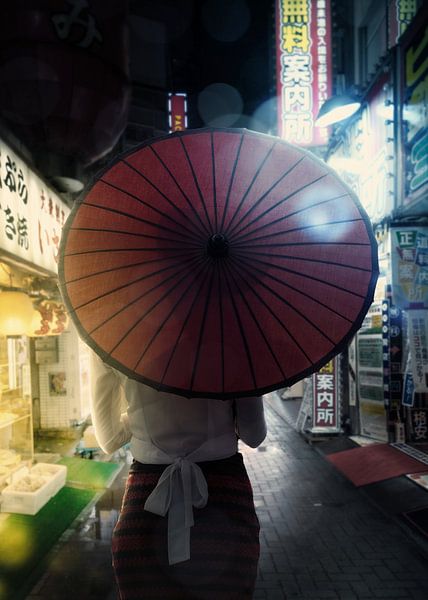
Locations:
column 27, row 503
column 55, row 474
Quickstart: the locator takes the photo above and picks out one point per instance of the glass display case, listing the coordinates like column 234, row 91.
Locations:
column 16, row 427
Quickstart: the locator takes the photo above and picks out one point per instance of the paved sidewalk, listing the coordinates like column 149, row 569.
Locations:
column 320, row 536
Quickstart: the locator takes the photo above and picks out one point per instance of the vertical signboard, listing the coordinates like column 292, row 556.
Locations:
column 304, row 71
column 392, row 336
column 400, row 13
column 418, row 425
column 325, row 413
column 177, row 112
column 414, row 107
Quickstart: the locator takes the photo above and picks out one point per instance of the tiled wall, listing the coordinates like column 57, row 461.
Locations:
column 63, row 394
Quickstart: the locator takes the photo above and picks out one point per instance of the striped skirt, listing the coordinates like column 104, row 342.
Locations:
column 224, row 541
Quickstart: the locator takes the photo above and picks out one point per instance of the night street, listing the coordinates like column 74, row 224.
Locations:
column 321, row 538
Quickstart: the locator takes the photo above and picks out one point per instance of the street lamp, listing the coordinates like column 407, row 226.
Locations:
column 335, row 109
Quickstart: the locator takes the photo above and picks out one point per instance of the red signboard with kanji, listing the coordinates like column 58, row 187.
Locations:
column 303, row 68
column 325, row 413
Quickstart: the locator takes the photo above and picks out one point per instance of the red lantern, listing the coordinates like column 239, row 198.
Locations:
column 64, row 85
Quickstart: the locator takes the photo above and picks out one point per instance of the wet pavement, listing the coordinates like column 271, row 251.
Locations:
column 321, row 537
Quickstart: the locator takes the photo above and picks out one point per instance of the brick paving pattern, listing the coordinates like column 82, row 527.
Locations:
column 320, row 538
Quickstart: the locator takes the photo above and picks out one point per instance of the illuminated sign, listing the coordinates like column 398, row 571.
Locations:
column 31, row 213
column 325, row 398
column 409, row 266
column 304, row 72
column 365, row 157
column 177, row 112
column 400, row 14
column 414, row 95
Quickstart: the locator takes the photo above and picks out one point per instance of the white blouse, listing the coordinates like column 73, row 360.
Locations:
column 163, row 428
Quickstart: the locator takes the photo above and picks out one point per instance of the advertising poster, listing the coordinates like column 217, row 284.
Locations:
column 303, row 68
column 371, row 385
column 418, row 342
column 409, row 266
column 57, row 384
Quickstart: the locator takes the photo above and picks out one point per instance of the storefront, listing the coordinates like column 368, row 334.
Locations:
column 409, row 234
column 382, row 156
column 42, row 369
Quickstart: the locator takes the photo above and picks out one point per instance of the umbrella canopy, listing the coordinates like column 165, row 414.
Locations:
column 218, row 263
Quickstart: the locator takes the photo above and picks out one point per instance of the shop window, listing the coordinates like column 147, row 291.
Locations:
column 16, row 432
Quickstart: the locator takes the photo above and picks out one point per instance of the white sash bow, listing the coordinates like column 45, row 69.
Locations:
column 180, row 487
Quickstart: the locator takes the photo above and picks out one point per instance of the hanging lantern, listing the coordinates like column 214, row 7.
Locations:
column 64, row 84
column 49, row 318
column 16, row 312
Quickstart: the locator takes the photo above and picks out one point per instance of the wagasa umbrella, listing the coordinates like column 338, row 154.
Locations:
column 217, row 263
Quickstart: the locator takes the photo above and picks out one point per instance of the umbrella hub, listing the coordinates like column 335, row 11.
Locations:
column 218, row 246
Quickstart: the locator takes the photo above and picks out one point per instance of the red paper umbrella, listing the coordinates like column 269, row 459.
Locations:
column 218, row 263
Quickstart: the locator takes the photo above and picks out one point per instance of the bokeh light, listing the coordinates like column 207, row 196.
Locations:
column 19, row 546
column 220, row 105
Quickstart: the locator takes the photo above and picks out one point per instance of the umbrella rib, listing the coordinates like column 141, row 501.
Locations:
column 221, row 315
column 288, row 244
column 171, row 312
column 262, row 333
column 127, row 266
column 275, row 316
column 185, row 321
column 133, row 217
column 285, row 269
column 268, row 210
column 127, row 249
column 261, row 283
column 147, row 312
column 201, row 331
column 241, row 328
column 232, row 178
column 214, row 184
column 310, row 260
column 256, row 174
column 289, row 215
column 155, row 187
column 190, row 204
column 287, row 231
column 197, row 186
column 156, row 210
column 303, row 293
column 131, row 283
column 129, row 233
